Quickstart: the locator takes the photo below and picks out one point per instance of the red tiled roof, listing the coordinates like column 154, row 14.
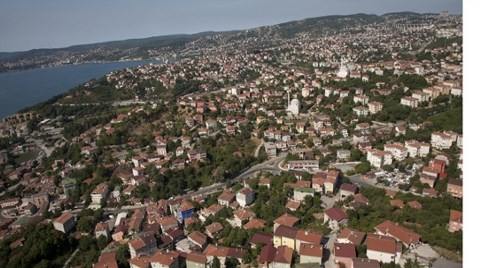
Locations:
column 381, row 243
column 260, row 237
column 197, row 257
column 353, row 236
column 106, row 260
column 286, row 231
column 267, row 254
column 311, row 250
column 344, row 250
column 308, row 236
column 349, row 187
column 64, row 218
column 396, row 203
column 166, row 259
column 415, row 204
column 456, row 216
column 255, row 224
column 284, row 255
column 287, row 220
column 198, row 237
column 365, row 263
column 336, row 214
column 398, row 232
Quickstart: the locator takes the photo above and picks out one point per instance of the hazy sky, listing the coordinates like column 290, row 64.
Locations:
column 28, row 24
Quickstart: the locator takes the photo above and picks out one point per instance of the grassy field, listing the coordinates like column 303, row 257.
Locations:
column 449, row 120
column 27, row 156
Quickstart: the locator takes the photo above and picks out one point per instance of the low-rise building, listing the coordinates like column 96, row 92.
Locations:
column 64, row 223
column 456, row 221
column 383, row 248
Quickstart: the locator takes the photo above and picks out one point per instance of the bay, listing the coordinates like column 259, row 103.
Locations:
column 23, row 89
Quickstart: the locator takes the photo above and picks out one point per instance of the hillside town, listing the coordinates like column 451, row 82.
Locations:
column 340, row 149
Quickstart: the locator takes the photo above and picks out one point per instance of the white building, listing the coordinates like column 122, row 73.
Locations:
column 245, row 197
column 299, row 193
column 383, row 248
column 362, row 99
column 360, row 111
column 415, row 148
column 443, row 140
column 294, row 107
column 379, row 158
column 375, row 107
column 99, row 193
column 398, row 151
column 409, row 101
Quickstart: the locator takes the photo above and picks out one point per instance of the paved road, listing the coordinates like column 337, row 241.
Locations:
column 329, row 251
column 71, row 257
column 272, row 165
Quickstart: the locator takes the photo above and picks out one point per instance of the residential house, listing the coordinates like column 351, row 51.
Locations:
column 455, row 188
column 348, row 189
column 311, row 253
column 344, row 253
column 283, row 257
column 146, row 244
column 198, row 239
column 379, row 158
column 365, row 263
column 286, row 220
column 318, row 181
column 245, row 197
column 415, row 204
column 222, row 253
column 383, row 248
column 106, row 260
column 196, row 260
column 360, row 111
column 456, row 221
column 348, row 235
column 415, row 148
column 335, row 217
column 331, row 182
column 307, row 237
column 343, row 155
column 359, row 200
column 64, row 223
column 407, row 237
column 375, row 107
column 270, row 149
column 299, row 193
column 266, row 256
column 212, row 210
column 185, row 210
column 396, row 203
column 165, row 260
column 226, row 198
column 409, row 101
column 255, row 224
column 213, row 229
column 102, row 228
column 443, row 140
column 135, row 224
column 285, row 236
column 362, row 99
column 168, row 223
column 398, row 151
column 303, row 164
column 420, row 96
column 99, row 193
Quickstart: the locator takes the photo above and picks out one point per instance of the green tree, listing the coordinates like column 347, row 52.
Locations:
column 215, row 262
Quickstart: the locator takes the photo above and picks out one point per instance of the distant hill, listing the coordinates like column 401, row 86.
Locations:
column 141, row 48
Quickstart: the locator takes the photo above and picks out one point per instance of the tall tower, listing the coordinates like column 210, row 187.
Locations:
column 288, row 100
